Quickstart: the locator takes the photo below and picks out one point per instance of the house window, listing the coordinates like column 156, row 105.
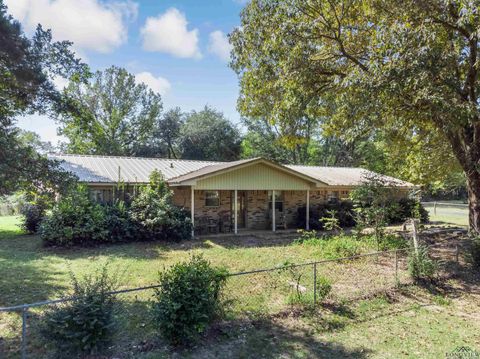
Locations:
column 212, row 199
column 278, row 200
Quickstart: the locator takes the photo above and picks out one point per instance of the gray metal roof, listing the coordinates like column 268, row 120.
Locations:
column 111, row 169
column 106, row 169
column 344, row 176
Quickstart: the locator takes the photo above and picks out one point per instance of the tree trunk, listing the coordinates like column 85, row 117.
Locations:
column 473, row 188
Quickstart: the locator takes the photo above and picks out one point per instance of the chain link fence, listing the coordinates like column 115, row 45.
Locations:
column 258, row 292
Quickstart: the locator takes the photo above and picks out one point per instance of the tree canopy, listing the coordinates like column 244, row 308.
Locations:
column 407, row 69
column 27, row 69
column 208, row 135
column 111, row 114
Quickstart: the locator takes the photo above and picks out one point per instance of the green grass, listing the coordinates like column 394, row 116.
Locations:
column 30, row 272
column 454, row 215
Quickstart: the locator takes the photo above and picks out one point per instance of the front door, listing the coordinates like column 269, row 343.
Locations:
column 241, row 208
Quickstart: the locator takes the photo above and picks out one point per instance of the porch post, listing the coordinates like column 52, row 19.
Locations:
column 192, row 210
column 307, row 226
column 274, row 226
column 235, row 210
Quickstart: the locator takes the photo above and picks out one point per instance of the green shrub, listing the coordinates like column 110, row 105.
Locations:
column 75, row 220
column 420, row 265
column 474, row 253
column 118, row 223
column 188, row 300
column 84, row 325
column 32, row 217
column 324, row 287
column 156, row 216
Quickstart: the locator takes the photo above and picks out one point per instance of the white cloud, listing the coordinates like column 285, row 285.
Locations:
column 218, row 45
column 157, row 84
column 168, row 33
column 91, row 24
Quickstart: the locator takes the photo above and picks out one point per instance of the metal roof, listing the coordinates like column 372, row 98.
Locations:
column 111, row 169
column 345, row 176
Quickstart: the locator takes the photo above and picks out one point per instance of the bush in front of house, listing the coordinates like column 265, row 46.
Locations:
column 75, row 220
column 85, row 325
column 188, row 300
column 32, row 217
column 343, row 211
column 156, row 217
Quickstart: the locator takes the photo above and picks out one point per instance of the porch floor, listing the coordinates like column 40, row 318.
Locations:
column 256, row 233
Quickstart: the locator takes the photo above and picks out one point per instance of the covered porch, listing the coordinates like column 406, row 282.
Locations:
column 245, row 195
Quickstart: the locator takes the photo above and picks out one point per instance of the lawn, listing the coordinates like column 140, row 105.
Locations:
column 411, row 324
column 448, row 212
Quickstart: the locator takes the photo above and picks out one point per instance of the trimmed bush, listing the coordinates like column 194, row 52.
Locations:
column 188, row 300
column 84, row 325
column 343, row 212
column 420, row 265
column 32, row 217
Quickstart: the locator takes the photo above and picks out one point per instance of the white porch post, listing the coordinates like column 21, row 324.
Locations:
column 235, row 210
column 192, row 210
column 274, row 226
column 307, row 226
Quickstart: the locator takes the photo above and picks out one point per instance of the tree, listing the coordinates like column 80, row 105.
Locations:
column 110, row 115
column 30, row 138
column 27, row 67
column 208, row 135
column 406, row 68
column 169, row 129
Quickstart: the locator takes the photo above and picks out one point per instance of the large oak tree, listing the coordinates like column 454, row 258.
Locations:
column 408, row 69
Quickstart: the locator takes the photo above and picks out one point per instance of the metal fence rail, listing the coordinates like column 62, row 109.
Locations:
column 269, row 290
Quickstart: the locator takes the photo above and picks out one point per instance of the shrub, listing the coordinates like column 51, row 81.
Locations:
column 474, row 255
column 75, row 220
column 118, row 223
column 420, row 265
column 324, row 287
column 343, row 212
column 32, row 217
column 156, row 216
column 188, row 299
column 84, row 325
column 405, row 208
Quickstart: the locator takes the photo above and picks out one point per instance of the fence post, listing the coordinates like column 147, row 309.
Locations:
column 315, row 284
column 396, row 267
column 24, row 332
column 435, row 208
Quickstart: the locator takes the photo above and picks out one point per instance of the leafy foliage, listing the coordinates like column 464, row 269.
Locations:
column 343, row 212
column 32, row 217
column 420, row 265
column 331, row 222
column 75, row 220
column 84, row 325
column 155, row 214
column 324, row 287
column 27, row 67
column 110, row 115
column 406, row 70
column 208, row 135
column 188, row 300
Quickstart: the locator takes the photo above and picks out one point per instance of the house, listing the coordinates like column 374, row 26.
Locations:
column 233, row 195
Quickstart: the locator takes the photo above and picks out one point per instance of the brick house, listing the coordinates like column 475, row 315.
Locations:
column 225, row 196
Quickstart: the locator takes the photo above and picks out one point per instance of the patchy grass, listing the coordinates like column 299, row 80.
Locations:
column 377, row 327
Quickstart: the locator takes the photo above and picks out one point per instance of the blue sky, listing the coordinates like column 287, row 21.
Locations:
column 178, row 48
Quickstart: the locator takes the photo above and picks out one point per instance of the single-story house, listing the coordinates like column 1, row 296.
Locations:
column 226, row 196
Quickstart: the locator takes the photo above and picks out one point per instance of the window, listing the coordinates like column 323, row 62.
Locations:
column 278, row 200
column 212, row 199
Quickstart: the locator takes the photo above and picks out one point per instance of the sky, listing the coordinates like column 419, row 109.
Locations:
column 177, row 48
